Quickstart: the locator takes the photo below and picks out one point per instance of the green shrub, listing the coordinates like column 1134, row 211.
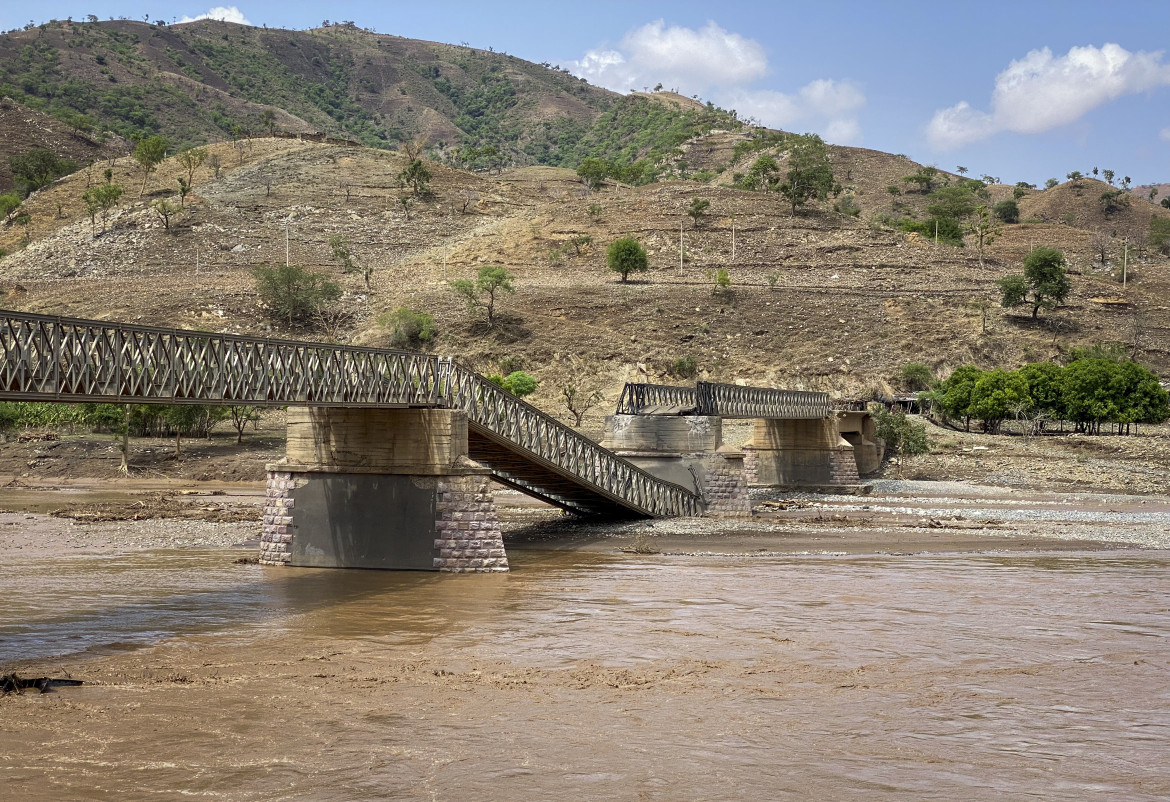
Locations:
column 949, row 230
column 900, row 434
column 1008, row 211
column 917, row 376
column 684, row 367
column 294, row 294
column 8, row 204
column 519, row 384
column 625, row 256
column 410, row 329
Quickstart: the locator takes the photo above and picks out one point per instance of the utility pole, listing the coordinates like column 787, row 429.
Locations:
column 680, row 247
column 1125, row 263
column 733, row 239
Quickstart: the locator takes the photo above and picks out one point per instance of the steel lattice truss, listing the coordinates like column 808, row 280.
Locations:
column 724, row 400
column 505, row 418
column 47, row 358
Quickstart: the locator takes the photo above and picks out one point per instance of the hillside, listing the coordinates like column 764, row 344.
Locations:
column 22, row 129
column 818, row 301
column 210, row 81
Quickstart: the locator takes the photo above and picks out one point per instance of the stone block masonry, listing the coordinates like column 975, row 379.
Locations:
column 276, row 533
column 467, row 527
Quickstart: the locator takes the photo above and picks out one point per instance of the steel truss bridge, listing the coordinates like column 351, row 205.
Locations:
column 47, row 358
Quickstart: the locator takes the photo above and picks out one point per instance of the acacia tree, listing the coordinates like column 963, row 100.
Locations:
column 37, row 169
column 592, row 173
column 191, row 160
column 698, row 208
column 1045, row 278
column 492, row 280
column 100, row 198
column 810, row 174
column 984, row 228
column 149, row 152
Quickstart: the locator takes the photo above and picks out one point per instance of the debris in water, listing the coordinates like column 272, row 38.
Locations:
column 14, row 684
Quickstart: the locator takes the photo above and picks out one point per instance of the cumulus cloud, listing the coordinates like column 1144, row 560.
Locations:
column 1042, row 91
column 221, row 13
column 722, row 65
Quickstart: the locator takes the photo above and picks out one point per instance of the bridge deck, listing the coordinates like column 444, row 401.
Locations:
column 47, row 358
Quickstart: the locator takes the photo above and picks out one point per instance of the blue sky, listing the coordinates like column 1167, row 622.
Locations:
column 1019, row 90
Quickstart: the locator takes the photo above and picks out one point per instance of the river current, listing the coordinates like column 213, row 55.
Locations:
column 593, row 676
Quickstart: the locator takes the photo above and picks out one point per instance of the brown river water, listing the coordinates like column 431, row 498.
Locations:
column 591, row 676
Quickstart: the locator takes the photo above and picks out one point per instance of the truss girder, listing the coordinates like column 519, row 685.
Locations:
column 47, row 358
column 725, row 401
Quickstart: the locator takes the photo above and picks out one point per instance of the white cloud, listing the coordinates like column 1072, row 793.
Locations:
column 714, row 62
column 221, row 13
column 1041, row 91
column 1164, row 134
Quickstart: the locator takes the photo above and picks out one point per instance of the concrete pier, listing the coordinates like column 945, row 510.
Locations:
column 687, row 450
column 380, row 488
column 800, row 453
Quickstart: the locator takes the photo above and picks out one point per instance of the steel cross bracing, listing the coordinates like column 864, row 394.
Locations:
column 48, row 358
column 723, row 400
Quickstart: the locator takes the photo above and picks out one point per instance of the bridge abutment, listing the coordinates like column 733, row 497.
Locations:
column 687, row 450
column 380, row 488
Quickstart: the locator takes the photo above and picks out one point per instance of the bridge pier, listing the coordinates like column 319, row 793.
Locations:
column 687, row 450
column 793, row 452
column 380, row 488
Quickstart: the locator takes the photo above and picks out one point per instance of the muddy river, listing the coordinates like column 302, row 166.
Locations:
column 591, row 676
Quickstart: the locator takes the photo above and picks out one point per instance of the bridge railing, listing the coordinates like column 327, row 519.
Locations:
column 547, row 439
column 735, row 401
column 637, row 397
column 84, row 360
column 724, row 400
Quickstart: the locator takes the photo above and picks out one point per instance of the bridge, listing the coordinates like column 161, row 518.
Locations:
column 375, row 435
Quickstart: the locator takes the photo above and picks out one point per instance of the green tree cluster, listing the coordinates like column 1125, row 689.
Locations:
column 37, row 169
column 1096, row 387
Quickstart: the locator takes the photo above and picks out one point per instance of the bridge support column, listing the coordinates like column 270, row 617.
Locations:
column 800, row 453
column 380, row 488
column 687, row 450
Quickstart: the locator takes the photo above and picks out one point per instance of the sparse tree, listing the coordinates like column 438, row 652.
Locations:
column 1101, row 240
column 191, row 160
column 490, row 282
column 595, row 211
column 268, row 120
column 1008, row 211
column 698, row 208
column 416, row 176
column 101, row 198
column 762, row 174
column 413, row 148
column 980, row 306
column 1050, row 183
column 961, row 170
column 1106, row 174
column 468, row 197
column 340, row 251
column 1045, row 277
column 983, row 228
column 215, row 163
column 625, row 256
column 924, row 178
column 166, row 210
column 405, row 201
column 184, row 190
column 580, row 242
column 149, row 152
column 241, row 416
column 579, row 402
column 266, row 180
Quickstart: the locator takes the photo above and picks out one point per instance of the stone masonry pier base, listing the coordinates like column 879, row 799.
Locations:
column 380, row 488
column 686, row 450
column 800, row 453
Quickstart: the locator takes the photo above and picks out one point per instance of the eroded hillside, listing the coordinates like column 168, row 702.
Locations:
column 821, row 300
